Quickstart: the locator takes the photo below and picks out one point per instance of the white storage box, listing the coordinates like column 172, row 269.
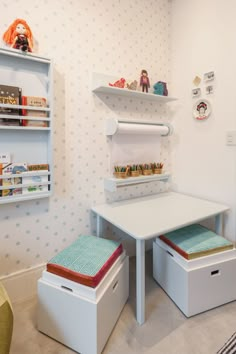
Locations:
column 195, row 285
column 82, row 317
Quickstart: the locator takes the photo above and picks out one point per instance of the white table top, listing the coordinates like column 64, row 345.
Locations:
column 147, row 217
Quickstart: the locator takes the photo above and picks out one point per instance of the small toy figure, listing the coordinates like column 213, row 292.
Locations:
column 119, row 83
column 133, row 85
column 144, row 80
column 160, row 88
column 19, row 36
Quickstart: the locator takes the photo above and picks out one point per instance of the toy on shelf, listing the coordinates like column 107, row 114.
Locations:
column 160, row 88
column 132, row 86
column 119, row 83
column 19, row 36
column 144, row 81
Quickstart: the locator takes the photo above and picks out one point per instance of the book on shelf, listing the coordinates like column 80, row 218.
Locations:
column 38, row 167
column 35, row 182
column 8, row 169
column 10, row 95
column 34, row 101
column 5, row 157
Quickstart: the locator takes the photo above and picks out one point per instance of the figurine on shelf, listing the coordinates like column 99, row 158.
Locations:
column 160, row 88
column 19, row 36
column 119, row 83
column 132, row 86
column 144, row 81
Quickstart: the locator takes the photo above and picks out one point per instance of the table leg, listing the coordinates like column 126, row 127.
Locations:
column 219, row 225
column 140, row 281
column 99, row 226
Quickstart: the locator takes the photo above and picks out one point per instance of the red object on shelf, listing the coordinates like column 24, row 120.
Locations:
column 119, row 83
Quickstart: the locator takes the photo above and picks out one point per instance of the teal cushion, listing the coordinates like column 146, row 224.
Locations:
column 86, row 260
column 195, row 241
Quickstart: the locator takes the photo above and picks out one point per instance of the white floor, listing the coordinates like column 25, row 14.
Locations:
column 166, row 331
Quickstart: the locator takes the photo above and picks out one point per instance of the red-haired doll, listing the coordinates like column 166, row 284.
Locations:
column 19, row 36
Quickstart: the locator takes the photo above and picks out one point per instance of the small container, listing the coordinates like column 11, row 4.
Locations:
column 120, row 174
column 134, row 173
column 147, row 172
column 157, row 171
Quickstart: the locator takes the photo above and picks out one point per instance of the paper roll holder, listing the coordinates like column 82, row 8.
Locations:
column 112, row 126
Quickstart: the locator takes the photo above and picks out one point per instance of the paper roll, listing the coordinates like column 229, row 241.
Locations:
column 144, row 129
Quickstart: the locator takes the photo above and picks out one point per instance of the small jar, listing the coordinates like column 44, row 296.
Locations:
column 157, row 171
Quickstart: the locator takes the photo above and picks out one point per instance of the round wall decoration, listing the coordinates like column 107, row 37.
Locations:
column 202, row 109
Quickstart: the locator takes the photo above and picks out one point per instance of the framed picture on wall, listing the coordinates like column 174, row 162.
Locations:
column 201, row 109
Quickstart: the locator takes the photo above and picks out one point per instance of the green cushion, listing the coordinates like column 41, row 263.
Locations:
column 6, row 321
column 195, row 241
column 86, row 260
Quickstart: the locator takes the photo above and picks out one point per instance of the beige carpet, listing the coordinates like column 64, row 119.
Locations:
column 166, row 331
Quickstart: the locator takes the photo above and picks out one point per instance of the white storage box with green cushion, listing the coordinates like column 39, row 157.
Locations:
column 79, row 316
column 198, row 284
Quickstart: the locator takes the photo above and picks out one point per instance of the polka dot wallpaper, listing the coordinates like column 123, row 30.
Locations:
column 119, row 38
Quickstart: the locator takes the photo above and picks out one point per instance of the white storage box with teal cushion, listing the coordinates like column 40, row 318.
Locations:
column 196, row 268
column 82, row 293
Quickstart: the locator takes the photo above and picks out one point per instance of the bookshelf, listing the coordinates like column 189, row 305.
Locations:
column 30, row 144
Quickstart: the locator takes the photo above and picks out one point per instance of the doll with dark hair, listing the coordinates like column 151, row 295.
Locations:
column 19, row 36
column 144, row 81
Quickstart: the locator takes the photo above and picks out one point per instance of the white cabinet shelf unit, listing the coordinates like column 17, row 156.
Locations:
column 27, row 144
column 100, row 84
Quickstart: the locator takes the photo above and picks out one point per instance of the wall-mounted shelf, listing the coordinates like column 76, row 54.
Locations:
column 27, row 142
column 101, row 85
column 111, row 184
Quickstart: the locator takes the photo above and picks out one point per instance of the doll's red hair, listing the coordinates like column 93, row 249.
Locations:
column 11, row 33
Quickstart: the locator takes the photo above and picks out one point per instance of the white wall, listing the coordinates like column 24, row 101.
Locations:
column 81, row 36
column 203, row 39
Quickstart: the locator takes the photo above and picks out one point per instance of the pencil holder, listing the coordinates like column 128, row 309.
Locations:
column 157, row 171
column 147, row 172
column 134, row 173
column 120, row 174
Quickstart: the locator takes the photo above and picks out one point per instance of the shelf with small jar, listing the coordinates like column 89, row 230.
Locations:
column 135, row 174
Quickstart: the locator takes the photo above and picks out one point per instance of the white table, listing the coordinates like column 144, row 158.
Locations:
column 148, row 217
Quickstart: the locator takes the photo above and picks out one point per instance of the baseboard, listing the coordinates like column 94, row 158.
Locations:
column 22, row 285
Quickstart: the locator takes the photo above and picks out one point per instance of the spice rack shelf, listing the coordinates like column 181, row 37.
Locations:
column 111, row 184
column 27, row 144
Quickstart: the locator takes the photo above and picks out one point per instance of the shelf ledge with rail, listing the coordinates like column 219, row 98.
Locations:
column 111, row 184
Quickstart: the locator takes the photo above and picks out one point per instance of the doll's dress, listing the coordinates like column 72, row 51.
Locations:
column 22, row 43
